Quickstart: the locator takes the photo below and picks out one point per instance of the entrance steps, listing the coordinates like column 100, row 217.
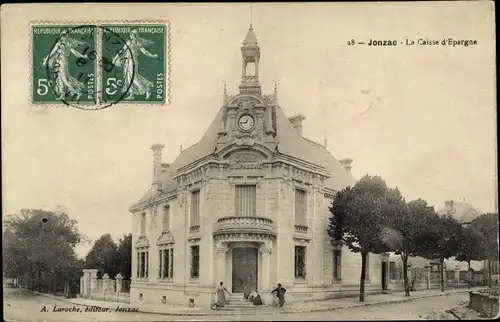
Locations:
column 236, row 301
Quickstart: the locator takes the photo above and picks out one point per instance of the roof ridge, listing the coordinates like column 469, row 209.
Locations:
column 314, row 142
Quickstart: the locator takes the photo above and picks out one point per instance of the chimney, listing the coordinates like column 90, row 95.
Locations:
column 296, row 121
column 157, row 166
column 346, row 163
column 448, row 206
column 164, row 166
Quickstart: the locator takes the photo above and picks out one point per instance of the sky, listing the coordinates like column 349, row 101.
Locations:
column 421, row 117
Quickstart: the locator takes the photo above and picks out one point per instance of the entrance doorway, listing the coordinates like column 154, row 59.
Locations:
column 384, row 276
column 244, row 269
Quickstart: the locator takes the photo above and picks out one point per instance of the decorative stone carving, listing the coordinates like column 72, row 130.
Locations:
column 142, row 242
column 264, row 249
column 231, row 182
column 236, row 165
column 222, row 248
column 165, row 238
column 245, row 142
column 251, row 237
column 259, row 182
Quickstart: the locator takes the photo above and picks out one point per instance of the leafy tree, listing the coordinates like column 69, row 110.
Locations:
column 125, row 256
column 442, row 238
column 410, row 224
column 40, row 246
column 487, row 227
column 104, row 256
column 358, row 216
column 470, row 248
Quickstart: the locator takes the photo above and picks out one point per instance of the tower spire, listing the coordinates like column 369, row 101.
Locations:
column 250, row 52
column 251, row 13
column 224, row 95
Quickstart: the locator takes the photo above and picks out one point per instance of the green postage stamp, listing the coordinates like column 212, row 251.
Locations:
column 97, row 66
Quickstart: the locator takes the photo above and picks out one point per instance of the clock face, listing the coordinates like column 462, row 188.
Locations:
column 246, row 122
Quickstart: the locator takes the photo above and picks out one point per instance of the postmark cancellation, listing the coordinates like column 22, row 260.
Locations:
column 96, row 65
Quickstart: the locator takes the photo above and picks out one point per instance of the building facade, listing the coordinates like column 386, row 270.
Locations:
column 246, row 205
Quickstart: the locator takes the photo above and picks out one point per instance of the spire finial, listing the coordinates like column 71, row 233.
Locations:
column 225, row 96
column 251, row 15
column 326, row 142
column 180, row 148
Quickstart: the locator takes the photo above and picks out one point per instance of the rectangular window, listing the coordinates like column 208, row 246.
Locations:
column 160, row 263
column 142, row 265
column 246, row 200
column 300, row 207
column 195, row 262
column 300, row 262
column 171, row 267
column 166, row 218
column 392, row 271
column 337, row 264
column 166, row 269
column 143, row 224
column 195, row 209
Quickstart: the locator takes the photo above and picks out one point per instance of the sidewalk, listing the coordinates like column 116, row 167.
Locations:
column 296, row 307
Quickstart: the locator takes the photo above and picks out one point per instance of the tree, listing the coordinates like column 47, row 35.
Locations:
column 410, row 223
column 103, row 256
column 487, row 227
column 125, row 256
column 40, row 246
column 358, row 216
column 470, row 248
column 442, row 240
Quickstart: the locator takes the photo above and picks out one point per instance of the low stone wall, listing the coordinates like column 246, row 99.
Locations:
column 484, row 303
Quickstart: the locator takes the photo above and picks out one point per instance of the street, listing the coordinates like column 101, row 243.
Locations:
column 21, row 305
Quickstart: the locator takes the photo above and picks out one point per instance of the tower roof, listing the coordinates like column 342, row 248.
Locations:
column 250, row 39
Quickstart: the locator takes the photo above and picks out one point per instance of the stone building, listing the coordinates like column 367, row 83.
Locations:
column 246, row 205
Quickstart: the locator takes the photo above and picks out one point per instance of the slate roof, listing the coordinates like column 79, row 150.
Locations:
column 250, row 39
column 461, row 211
column 290, row 143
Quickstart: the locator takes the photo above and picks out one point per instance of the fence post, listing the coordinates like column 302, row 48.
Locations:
column 93, row 281
column 118, row 285
column 105, row 283
column 457, row 274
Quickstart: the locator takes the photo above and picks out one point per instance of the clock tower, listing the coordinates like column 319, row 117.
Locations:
column 248, row 118
column 250, row 52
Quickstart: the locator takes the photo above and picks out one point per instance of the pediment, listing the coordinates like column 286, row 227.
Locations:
column 165, row 238
column 142, row 242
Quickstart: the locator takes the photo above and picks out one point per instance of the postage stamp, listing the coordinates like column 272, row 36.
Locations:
column 94, row 66
column 64, row 64
column 134, row 71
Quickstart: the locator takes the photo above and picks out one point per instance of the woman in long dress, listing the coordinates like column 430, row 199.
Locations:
column 57, row 60
column 221, row 295
column 128, row 59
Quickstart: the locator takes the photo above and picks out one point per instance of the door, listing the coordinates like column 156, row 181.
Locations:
column 244, row 269
column 384, row 276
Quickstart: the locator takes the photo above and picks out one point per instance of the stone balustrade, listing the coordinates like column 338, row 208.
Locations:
column 300, row 229
column 236, row 224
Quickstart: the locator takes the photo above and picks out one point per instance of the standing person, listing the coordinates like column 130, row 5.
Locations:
column 280, row 293
column 221, row 295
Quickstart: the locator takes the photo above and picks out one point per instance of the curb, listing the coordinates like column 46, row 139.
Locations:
column 253, row 312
